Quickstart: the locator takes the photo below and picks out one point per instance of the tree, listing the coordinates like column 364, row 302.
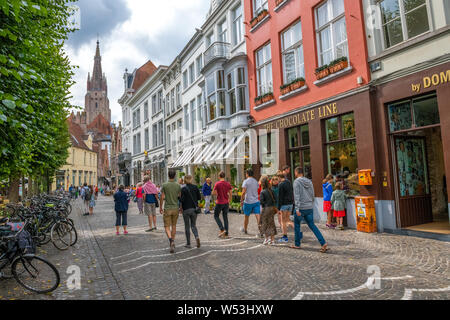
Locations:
column 35, row 79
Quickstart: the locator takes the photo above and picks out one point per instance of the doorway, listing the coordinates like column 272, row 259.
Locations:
column 418, row 157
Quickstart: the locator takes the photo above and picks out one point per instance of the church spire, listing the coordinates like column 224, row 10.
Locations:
column 97, row 73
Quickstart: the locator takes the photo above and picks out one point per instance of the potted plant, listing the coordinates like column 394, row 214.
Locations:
column 297, row 83
column 338, row 64
column 285, row 88
column 267, row 97
column 278, row 2
column 322, row 72
column 258, row 100
column 254, row 21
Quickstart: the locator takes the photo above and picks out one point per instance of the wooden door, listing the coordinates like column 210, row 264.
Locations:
column 413, row 181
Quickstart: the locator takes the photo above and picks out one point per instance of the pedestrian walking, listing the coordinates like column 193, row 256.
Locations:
column 338, row 200
column 170, row 193
column 304, row 204
column 190, row 196
column 206, row 191
column 91, row 201
column 121, row 208
column 223, row 191
column 249, row 200
column 139, row 198
column 327, row 189
column 285, row 204
column 86, row 196
column 269, row 210
column 151, row 198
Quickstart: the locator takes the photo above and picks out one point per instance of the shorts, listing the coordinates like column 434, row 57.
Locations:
column 170, row 217
column 326, row 206
column 339, row 214
column 150, row 209
column 250, row 208
column 287, row 207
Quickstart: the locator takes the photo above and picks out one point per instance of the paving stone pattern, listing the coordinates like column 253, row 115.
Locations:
column 139, row 265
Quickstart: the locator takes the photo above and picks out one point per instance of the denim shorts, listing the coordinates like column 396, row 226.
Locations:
column 287, row 207
column 250, row 208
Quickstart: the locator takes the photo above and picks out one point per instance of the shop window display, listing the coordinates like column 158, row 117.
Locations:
column 341, row 151
column 299, row 149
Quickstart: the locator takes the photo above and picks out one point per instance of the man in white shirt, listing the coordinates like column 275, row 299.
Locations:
column 250, row 200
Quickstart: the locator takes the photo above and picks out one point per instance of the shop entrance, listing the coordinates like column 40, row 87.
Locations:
column 421, row 192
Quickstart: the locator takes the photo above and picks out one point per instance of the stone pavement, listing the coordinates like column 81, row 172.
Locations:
column 139, row 265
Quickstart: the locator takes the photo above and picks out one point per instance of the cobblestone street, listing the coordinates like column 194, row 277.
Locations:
column 139, row 265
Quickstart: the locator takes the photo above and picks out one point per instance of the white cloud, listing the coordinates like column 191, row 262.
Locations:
column 155, row 30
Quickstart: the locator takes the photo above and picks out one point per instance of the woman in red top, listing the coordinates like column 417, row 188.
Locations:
column 139, row 197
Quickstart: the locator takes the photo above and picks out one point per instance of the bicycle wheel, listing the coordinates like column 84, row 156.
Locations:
column 73, row 230
column 61, row 235
column 5, row 269
column 35, row 274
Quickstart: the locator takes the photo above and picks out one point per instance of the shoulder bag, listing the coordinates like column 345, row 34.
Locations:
column 197, row 209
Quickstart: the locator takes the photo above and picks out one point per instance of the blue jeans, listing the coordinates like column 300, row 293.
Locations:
column 308, row 215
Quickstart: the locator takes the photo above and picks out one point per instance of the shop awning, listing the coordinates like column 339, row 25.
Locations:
column 229, row 149
column 211, row 155
column 199, row 158
column 191, row 154
column 178, row 162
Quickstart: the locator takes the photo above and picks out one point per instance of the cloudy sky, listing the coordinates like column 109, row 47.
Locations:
column 131, row 32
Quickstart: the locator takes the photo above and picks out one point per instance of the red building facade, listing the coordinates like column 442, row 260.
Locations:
column 318, row 119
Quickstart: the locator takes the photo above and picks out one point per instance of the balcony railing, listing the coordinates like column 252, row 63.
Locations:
column 217, row 50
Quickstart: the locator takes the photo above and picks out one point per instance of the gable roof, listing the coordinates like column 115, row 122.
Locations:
column 142, row 74
column 100, row 125
column 76, row 136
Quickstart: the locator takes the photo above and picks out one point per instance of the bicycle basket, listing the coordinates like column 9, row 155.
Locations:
column 16, row 226
column 25, row 242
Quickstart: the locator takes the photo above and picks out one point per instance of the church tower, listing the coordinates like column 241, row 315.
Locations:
column 96, row 99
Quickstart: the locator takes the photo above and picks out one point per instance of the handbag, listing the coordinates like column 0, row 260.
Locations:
column 197, row 209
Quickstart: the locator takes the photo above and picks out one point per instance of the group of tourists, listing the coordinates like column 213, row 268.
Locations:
column 88, row 194
column 265, row 199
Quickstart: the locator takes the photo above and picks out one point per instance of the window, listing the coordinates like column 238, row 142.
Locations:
column 211, row 91
column 160, row 100
column 237, row 90
column 186, row 119
column 155, row 135
column 413, row 113
column 147, row 139
column 174, row 135
column 178, row 90
column 199, row 64
column 161, row 132
column 191, row 74
column 168, row 139
column 137, row 143
column 292, row 53
column 258, row 6
column 154, row 107
column 134, row 120
column 180, row 134
column 403, row 19
column 185, row 80
column 299, row 149
column 199, row 112
column 221, row 93
column 209, row 39
column 331, row 31
column 264, row 70
column 238, row 29
column 167, row 103
column 193, row 114
column 145, row 111
column 172, row 100
column 222, row 31
column 341, row 150
column 138, row 116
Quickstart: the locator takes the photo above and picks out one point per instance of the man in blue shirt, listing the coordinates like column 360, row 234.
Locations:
column 121, row 208
column 206, row 191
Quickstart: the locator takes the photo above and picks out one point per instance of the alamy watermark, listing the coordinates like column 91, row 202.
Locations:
column 74, row 20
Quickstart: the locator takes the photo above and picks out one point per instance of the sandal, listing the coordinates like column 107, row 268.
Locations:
column 294, row 247
column 324, row 248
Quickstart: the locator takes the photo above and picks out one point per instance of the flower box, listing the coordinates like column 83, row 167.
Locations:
column 278, row 2
column 285, row 89
column 322, row 72
column 338, row 65
column 298, row 83
column 261, row 15
column 258, row 100
column 253, row 22
column 267, row 97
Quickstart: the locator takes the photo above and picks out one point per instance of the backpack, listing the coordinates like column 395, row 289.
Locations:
column 87, row 194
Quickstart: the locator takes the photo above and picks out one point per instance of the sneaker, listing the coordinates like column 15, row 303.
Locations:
column 172, row 247
column 266, row 242
column 283, row 240
column 198, row 242
column 188, row 246
column 222, row 234
column 149, row 230
column 330, row 226
column 117, row 233
column 125, row 232
column 154, row 228
column 243, row 230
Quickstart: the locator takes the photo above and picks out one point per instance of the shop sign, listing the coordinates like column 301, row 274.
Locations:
column 303, row 117
column 433, row 80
